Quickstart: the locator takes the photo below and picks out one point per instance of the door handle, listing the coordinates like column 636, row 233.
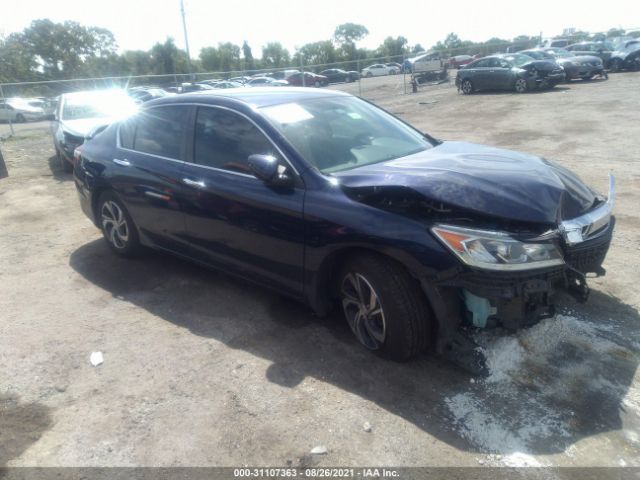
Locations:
column 124, row 162
column 193, row 183
column 159, row 196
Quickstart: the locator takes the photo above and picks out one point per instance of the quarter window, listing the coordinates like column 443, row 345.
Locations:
column 160, row 131
column 225, row 140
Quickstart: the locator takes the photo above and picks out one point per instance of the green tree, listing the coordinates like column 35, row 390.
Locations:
column 247, row 54
column 615, row 32
column 166, row 58
column 346, row 36
column 210, row 59
column 316, row 53
column 229, row 56
column 138, row 62
column 417, row 48
column 61, row 49
column 16, row 64
column 274, row 55
column 392, row 47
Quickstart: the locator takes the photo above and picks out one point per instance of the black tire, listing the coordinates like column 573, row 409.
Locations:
column 64, row 164
column 466, row 87
column 123, row 241
column 402, row 329
column 520, row 85
column 317, row 84
column 369, row 75
column 20, row 118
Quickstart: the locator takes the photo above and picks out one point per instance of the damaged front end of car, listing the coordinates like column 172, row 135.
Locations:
column 509, row 271
column 511, row 280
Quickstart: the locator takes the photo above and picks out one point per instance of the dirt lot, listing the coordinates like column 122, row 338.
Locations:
column 201, row 369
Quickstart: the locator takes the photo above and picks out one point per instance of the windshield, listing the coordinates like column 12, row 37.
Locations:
column 339, row 133
column 518, row 60
column 96, row 105
column 536, row 54
column 561, row 53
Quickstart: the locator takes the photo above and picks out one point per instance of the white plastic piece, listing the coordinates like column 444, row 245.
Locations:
column 96, row 358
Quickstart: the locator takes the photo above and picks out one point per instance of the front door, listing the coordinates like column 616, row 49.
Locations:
column 233, row 220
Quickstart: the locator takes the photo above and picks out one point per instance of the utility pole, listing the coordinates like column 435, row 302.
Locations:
column 186, row 38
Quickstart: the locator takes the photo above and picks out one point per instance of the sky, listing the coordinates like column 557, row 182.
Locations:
column 138, row 24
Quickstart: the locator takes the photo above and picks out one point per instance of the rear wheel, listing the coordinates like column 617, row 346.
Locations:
column 20, row 118
column 117, row 226
column 520, row 85
column 384, row 307
column 467, row 87
column 369, row 75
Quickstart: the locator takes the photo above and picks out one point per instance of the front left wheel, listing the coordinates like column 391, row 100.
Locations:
column 467, row 87
column 520, row 85
column 385, row 307
column 117, row 226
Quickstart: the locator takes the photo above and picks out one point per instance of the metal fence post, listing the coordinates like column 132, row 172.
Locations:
column 8, row 118
column 359, row 77
column 404, row 75
column 304, row 82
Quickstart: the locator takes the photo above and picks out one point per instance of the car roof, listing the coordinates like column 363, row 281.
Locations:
column 254, row 96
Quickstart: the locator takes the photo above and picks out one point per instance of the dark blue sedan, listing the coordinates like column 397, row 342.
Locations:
column 331, row 200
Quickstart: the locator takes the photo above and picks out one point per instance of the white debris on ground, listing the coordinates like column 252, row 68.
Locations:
column 544, row 385
column 96, row 358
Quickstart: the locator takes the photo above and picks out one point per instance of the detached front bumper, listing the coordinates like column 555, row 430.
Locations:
column 546, row 78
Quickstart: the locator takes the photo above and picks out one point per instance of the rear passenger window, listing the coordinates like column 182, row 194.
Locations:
column 127, row 132
column 160, row 131
column 225, row 140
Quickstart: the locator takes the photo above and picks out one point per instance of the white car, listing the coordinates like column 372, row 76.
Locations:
column 20, row 110
column 378, row 70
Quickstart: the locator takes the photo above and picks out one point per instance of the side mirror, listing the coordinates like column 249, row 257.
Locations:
column 270, row 171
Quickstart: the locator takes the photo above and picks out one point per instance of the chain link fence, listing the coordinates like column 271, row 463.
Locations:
column 371, row 78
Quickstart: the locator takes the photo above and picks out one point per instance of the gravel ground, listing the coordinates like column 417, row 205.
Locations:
column 200, row 369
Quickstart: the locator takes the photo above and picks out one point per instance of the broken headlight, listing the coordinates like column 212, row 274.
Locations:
column 491, row 250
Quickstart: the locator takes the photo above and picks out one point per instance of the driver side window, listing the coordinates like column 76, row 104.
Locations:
column 225, row 139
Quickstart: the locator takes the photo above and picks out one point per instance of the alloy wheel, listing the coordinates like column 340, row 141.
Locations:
column 521, row 85
column 467, row 87
column 114, row 224
column 363, row 310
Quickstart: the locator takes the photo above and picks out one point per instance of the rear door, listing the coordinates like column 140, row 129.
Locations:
column 235, row 221
column 147, row 172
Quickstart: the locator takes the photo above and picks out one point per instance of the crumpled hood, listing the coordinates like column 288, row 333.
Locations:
column 83, row 126
column 490, row 181
column 624, row 53
column 579, row 59
column 542, row 65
